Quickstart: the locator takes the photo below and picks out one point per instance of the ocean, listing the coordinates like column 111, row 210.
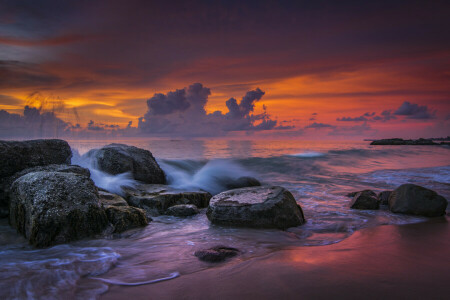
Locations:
column 318, row 173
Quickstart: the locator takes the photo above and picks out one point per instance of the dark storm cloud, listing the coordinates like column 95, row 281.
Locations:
column 183, row 112
column 14, row 74
column 232, row 42
column 414, row 111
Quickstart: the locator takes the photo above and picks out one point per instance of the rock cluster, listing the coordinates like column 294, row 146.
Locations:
column 397, row 141
column 406, row 199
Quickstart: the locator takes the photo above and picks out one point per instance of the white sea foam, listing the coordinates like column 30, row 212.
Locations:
column 211, row 176
column 109, row 182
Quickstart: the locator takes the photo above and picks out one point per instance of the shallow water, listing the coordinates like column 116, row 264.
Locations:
column 319, row 174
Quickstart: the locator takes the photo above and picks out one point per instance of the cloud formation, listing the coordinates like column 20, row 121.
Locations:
column 183, row 112
column 415, row 111
column 316, row 125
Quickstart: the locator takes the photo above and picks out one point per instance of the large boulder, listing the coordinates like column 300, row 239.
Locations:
column 6, row 183
column 17, row 156
column 118, row 158
column 366, row 199
column 416, row 200
column 157, row 198
column 265, row 207
column 125, row 217
column 53, row 207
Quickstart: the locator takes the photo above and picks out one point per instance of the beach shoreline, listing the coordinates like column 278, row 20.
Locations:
column 391, row 261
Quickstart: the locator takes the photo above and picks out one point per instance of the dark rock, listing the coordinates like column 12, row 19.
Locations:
column 110, row 199
column 157, row 198
column 216, row 254
column 182, row 210
column 353, row 194
column 416, row 200
column 118, row 158
column 242, row 182
column 398, row 141
column 383, row 197
column 17, row 156
column 126, row 217
column 53, row 207
column 6, row 183
column 264, row 207
column 366, row 199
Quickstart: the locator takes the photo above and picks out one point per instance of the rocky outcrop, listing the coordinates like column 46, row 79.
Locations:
column 125, row 217
column 416, row 200
column 383, row 197
column 216, row 254
column 398, row 141
column 17, row 156
column 182, row 210
column 118, row 158
column 241, row 182
column 54, row 207
column 366, row 199
column 155, row 199
column 264, row 207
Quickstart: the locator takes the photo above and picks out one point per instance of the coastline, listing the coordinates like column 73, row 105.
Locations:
column 391, row 261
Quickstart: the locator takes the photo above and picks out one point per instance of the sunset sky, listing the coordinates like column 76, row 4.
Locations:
column 310, row 69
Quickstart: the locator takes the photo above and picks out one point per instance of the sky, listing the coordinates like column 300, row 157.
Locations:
column 284, row 69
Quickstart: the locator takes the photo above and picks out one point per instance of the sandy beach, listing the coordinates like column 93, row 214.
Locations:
column 394, row 262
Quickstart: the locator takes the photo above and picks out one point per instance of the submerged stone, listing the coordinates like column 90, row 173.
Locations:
column 182, row 210
column 216, row 254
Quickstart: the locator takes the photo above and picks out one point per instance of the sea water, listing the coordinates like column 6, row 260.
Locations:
column 319, row 175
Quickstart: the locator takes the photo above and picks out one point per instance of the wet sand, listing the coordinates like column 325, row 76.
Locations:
column 393, row 262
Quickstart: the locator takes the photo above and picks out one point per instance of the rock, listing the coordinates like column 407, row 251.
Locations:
column 182, row 210
column 53, row 207
column 353, row 194
column 118, row 158
column 17, row 156
column 157, row 198
column 383, row 197
column 125, row 217
column 265, row 207
column 416, row 200
column 242, row 182
column 366, row 199
column 110, row 199
column 398, row 141
column 216, row 254
column 6, row 183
